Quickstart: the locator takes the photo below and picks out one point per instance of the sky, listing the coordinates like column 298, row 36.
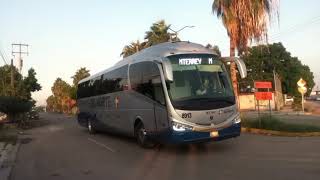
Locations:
column 67, row 35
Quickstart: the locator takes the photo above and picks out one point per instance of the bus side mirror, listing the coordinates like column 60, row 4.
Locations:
column 167, row 70
column 240, row 65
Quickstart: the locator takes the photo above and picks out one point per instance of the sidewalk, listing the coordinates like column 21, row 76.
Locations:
column 8, row 154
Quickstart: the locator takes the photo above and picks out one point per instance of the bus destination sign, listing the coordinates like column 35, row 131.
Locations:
column 194, row 61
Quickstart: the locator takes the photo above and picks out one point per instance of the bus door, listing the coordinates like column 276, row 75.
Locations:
column 145, row 80
column 160, row 110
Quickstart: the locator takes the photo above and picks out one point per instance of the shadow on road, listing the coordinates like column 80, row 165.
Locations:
column 183, row 149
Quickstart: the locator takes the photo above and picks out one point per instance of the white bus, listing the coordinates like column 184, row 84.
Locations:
column 174, row 92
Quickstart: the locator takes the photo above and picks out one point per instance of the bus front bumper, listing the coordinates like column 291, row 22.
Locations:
column 175, row 137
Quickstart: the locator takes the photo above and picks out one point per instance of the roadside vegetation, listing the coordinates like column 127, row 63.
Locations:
column 273, row 123
column 246, row 22
column 63, row 98
column 15, row 96
column 263, row 60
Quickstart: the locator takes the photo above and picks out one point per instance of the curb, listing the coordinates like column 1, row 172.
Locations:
column 7, row 161
column 279, row 133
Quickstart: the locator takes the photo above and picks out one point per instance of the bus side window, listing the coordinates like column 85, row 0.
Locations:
column 115, row 80
column 145, row 79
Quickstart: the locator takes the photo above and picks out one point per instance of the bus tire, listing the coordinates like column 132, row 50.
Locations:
column 142, row 139
column 91, row 127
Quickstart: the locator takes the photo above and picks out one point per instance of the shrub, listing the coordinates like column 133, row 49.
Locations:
column 13, row 106
column 273, row 123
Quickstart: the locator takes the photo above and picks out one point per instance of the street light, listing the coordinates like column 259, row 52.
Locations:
column 176, row 32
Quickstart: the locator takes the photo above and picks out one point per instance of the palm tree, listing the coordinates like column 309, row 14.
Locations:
column 159, row 33
column 133, row 48
column 80, row 74
column 245, row 21
column 214, row 48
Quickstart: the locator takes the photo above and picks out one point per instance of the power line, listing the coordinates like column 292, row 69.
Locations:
column 296, row 27
column 3, row 58
column 3, row 55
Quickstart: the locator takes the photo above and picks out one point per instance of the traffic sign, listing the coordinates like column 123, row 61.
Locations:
column 263, row 95
column 262, row 85
column 301, row 83
column 302, row 90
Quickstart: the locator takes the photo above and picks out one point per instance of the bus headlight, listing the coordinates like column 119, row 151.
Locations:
column 237, row 120
column 180, row 127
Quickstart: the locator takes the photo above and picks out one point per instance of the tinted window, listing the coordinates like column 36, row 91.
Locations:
column 83, row 90
column 110, row 82
column 95, row 86
column 115, row 81
column 145, row 79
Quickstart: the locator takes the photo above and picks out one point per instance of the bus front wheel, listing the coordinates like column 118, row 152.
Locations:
column 142, row 139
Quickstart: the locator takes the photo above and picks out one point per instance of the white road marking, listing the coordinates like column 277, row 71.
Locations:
column 102, row 145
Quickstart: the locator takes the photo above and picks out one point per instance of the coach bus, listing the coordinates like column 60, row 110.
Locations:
column 174, row 92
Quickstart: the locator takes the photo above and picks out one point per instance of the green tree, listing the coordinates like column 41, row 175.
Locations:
column 5, row 81
column 17, row 100
column 245, row 21
column 262, row 60
column 30, row 84
column 80, row 74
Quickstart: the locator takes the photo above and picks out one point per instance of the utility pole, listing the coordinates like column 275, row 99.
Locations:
column 22, row 49
column 176, row 32
column 275, row 89
column 12, row 78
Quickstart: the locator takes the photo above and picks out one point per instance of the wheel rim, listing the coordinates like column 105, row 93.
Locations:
column 142, row 134
column 89, row 126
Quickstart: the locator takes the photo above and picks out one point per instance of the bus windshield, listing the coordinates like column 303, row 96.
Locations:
column 200, row 82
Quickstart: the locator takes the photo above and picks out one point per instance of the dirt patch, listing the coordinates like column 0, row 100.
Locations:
column 8, row 134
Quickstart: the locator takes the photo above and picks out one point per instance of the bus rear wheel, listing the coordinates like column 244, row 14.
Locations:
column 142, row 139
column 91, row 127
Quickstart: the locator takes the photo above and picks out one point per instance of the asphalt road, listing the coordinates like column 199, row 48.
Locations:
column 63, row 150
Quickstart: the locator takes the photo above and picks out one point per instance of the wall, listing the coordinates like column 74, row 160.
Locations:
column 248, row 102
